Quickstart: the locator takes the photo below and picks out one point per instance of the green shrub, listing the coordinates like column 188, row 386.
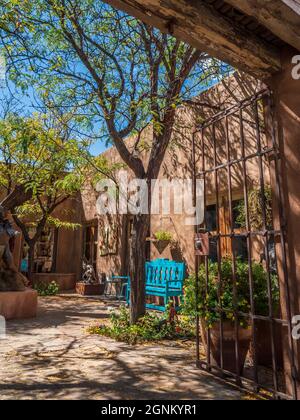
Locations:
column 208, row 305
column 151, row 327
column 162, row 235
column 255, row 205
column 47, row 289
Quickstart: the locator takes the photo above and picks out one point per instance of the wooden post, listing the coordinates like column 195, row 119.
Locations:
column 286, row 117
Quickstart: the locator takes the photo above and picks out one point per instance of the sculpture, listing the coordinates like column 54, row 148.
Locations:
column 11, row 280
column 88, row 273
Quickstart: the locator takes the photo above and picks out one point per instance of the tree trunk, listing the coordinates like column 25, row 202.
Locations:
column 30, row 260
column 141, row 225
column 16, row 198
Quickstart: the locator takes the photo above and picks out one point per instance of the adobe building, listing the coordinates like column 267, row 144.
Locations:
column 178, row 164
column 251, row 143
column 263, row 39
column 105, row 240
column 58, row 253
column 225, row 138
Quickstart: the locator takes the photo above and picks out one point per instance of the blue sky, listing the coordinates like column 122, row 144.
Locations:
column 26, row 103
column 94, row 126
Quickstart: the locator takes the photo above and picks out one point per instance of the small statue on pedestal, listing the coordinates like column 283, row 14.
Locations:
column 88, row 273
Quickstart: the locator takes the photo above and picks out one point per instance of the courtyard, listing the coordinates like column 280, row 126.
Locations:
column 53, row 357
column 149, row 154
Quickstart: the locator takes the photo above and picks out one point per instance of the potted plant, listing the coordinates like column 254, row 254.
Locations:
column 256, row 202
column 162, row 239
column 213, row 295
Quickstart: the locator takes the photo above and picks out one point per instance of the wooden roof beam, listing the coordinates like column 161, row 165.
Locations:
column 200, row 25
column 282, row 17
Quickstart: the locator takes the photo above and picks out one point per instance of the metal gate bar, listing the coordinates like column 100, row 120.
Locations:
column 266, row 233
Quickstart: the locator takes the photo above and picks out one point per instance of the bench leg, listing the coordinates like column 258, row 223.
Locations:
column 167, row 297
column 128, row 295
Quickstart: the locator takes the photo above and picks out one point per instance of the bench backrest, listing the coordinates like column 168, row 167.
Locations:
column 162, row 272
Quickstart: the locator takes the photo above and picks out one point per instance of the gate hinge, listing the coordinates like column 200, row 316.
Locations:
column 273, row 156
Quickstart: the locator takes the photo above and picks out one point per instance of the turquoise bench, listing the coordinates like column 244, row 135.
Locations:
column 163, row 278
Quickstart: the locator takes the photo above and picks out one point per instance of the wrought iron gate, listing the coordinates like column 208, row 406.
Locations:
column 243, row 296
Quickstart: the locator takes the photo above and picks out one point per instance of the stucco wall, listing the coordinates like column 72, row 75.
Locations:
column 178, row 164
column 69, row 241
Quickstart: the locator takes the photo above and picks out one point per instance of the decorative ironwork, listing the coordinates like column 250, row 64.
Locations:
column 233, row 154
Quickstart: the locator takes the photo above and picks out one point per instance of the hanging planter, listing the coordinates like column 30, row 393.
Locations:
column 161, row 240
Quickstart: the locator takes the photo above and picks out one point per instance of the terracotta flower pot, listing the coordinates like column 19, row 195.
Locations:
column 229, row 362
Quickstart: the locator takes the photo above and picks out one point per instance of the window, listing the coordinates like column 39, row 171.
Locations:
column 240, row 247
column 211, row 218
column 239, row 241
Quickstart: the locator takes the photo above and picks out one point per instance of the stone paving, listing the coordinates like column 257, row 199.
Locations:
column 52, row 357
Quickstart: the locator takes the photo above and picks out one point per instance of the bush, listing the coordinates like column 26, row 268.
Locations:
column 47, row 289
column 151, row 327
column 255, row 205
column 208, row 305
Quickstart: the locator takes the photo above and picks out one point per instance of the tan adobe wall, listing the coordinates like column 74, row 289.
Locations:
column 178, row 164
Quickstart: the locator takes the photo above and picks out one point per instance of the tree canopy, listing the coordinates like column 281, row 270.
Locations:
column 113, row 73
column 39, row 159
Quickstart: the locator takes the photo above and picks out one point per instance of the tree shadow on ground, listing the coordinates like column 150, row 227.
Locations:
column 120, row 379
column 53, row 357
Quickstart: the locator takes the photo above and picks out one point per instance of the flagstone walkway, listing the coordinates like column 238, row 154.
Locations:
column 52, row 357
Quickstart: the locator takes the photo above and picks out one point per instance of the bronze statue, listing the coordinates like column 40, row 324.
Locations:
column 10, row 277
column 88, row 273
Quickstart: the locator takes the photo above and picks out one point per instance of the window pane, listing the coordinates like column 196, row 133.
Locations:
column 211, row 218
column 87, row 252
column 88, row 234
column 95, row 252
column 240, row 247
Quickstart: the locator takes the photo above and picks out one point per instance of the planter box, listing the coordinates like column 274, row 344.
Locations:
column 18, row 305
column 229, row 362
column 264, row 346
column 65, row 281
column 89, row 289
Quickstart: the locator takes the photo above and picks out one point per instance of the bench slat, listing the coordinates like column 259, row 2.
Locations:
column 163, row 278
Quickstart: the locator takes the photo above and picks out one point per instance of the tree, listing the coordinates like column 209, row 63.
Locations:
column 110, row 69
column 37, row 158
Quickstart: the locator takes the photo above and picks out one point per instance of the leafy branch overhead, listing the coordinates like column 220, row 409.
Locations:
column 103, row 66
column 113, row 76
column 36, row 157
